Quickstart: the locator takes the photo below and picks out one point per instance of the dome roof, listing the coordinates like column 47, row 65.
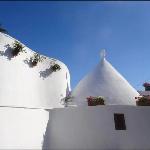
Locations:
column 105, row 81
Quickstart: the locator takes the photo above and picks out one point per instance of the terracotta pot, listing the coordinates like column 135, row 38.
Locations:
column 15, row 52
column 90, row 103
column 143, row 103
column 95, row 103
column 34, row 63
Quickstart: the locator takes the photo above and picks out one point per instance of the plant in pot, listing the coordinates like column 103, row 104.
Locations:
column 67, row 99
column 94, row 101
column 55, row 67
column 36, row 58
column 143, row 100
column 147, row 86
column 17, row 48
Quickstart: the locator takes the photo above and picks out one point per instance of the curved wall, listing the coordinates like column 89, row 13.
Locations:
column 23, row 86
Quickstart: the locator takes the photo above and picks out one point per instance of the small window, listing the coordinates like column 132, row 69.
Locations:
column 119, row 122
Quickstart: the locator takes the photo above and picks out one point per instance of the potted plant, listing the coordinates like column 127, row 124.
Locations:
column 147, row 86
column 143, row 100
column 94, row 101
column 55, row 67
column 17, row 47
column 35, row 59
column 67, row 99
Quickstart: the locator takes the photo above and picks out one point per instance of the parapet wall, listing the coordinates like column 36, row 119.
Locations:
column 78, row 128
column 93, row 128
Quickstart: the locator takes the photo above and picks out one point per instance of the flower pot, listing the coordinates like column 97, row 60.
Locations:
column 55, row 67
column 15, row 52
column 91, row 103
column 34, row 63
column 95, row 103
column 147, row 88
column 143, row 103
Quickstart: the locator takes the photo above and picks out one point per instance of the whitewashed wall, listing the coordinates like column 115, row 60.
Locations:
column 92, row 128
column 23, row 86
column 22, row 128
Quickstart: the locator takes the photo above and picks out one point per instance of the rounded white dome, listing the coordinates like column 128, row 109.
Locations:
column 105, row 81
column 32, row 87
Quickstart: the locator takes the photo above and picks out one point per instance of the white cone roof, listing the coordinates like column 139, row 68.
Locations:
column 107, row 82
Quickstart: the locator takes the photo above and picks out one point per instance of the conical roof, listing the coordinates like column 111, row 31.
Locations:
column 105, row 81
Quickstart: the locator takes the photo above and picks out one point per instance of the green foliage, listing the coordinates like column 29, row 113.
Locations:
column 55, row 67
column 17, row 47
column 143, row 100
column 36, row 58
column 67, row 99
column 93, row 101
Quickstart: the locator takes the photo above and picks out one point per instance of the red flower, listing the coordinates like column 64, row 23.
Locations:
column 146, row 84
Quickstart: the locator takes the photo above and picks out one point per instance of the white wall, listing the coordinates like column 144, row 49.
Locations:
column 22, row 86
column 22, row 128
column 93, row 128
column 74, row 128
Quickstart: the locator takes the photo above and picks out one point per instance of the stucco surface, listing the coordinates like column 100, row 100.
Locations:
column 22, row 128
column 105, row 81
column 24, row 86
column 93, row 128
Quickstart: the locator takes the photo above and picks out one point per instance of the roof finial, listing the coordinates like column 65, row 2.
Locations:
column 103, row 53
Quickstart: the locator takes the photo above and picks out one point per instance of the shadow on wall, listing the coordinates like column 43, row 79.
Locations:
column 46, row 137
column 7, row 53
column 47, row 72
column 44, row 74
column 28, row 62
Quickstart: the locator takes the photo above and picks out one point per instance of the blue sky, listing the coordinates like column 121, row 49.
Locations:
column 75, row 32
